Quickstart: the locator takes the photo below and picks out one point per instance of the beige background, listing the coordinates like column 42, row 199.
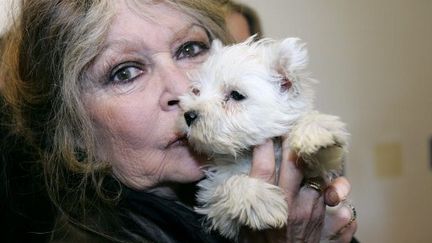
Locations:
column 374, row 61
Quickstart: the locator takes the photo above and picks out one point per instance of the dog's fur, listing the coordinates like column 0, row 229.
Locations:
column 243, row 95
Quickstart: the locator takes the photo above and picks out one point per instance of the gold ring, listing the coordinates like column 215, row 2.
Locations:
column 351, row 221
column 314, row 185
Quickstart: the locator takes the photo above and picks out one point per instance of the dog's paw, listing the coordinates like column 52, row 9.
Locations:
column 320, row 140
column 327, row 162
column 243, row 200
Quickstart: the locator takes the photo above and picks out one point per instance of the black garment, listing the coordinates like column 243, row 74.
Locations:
column 26, row 214
column 162, row 220
column 139, row 216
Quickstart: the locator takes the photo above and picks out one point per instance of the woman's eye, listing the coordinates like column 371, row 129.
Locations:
column 125, row 73
column 191, row 49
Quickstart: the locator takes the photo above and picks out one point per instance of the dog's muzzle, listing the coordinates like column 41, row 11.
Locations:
column 190, row 117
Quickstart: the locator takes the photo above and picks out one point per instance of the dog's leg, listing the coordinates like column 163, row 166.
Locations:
column 321, row 141
column 243, row 200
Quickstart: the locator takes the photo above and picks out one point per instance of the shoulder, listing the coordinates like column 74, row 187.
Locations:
column 65, row 231
column 139, row 217
column 164, row 220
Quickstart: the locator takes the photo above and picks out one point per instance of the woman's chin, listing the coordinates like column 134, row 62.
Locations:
column 186, row 164
column 191, row 170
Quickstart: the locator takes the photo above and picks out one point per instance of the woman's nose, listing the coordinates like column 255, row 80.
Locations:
column 176, row 83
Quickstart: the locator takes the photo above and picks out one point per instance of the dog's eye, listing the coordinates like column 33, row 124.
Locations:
column 235, row 95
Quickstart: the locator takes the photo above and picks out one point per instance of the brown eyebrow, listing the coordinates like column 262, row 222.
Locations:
column 185, row 31
column 127, row 42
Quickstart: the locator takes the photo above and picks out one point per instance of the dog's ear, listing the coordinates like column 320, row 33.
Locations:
column 291, row 61
column 251, row 39
column 216, row 45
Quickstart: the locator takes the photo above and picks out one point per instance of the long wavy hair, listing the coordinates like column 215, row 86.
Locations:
column 45, row 55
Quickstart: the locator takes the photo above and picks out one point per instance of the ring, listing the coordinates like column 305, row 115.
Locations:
column 353, row 212
column 314, row 185
column 351, row 221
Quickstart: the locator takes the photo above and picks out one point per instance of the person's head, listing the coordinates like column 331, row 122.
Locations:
column 242, row 21
column 93, row 85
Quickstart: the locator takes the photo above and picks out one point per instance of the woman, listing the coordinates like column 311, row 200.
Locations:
column 93, row 87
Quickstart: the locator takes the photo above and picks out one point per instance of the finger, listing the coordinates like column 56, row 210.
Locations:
column 316, row 184
column 340, row 223
column 290, row 176
column 347, row 234
column 317, row 219
column 312, row 202
column 308, row 210
column 263, row 162
column 337, row 191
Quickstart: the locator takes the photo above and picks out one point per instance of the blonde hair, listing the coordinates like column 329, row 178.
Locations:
column 46, row 53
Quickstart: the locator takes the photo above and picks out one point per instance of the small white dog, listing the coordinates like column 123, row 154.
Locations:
column 243, row 95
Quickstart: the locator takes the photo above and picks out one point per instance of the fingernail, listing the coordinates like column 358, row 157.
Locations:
column 333, row 197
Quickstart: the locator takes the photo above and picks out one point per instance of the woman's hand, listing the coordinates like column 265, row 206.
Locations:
column 307, row 219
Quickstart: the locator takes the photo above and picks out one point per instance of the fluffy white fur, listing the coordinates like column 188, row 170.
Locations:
column 243, row 95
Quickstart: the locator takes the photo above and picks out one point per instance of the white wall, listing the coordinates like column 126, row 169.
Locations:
column 2, row 15
column 374, row 61
column 5, row 13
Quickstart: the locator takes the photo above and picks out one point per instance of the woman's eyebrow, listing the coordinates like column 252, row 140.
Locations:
column 121, row 45
column 118, row 45
column 188, row 29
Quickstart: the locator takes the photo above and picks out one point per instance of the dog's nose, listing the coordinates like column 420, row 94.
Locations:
column 190, row 116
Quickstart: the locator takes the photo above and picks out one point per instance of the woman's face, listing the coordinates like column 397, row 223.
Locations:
column 238, row 26
column 134, row 104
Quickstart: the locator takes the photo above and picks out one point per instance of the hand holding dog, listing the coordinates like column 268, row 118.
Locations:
column 307, row 206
